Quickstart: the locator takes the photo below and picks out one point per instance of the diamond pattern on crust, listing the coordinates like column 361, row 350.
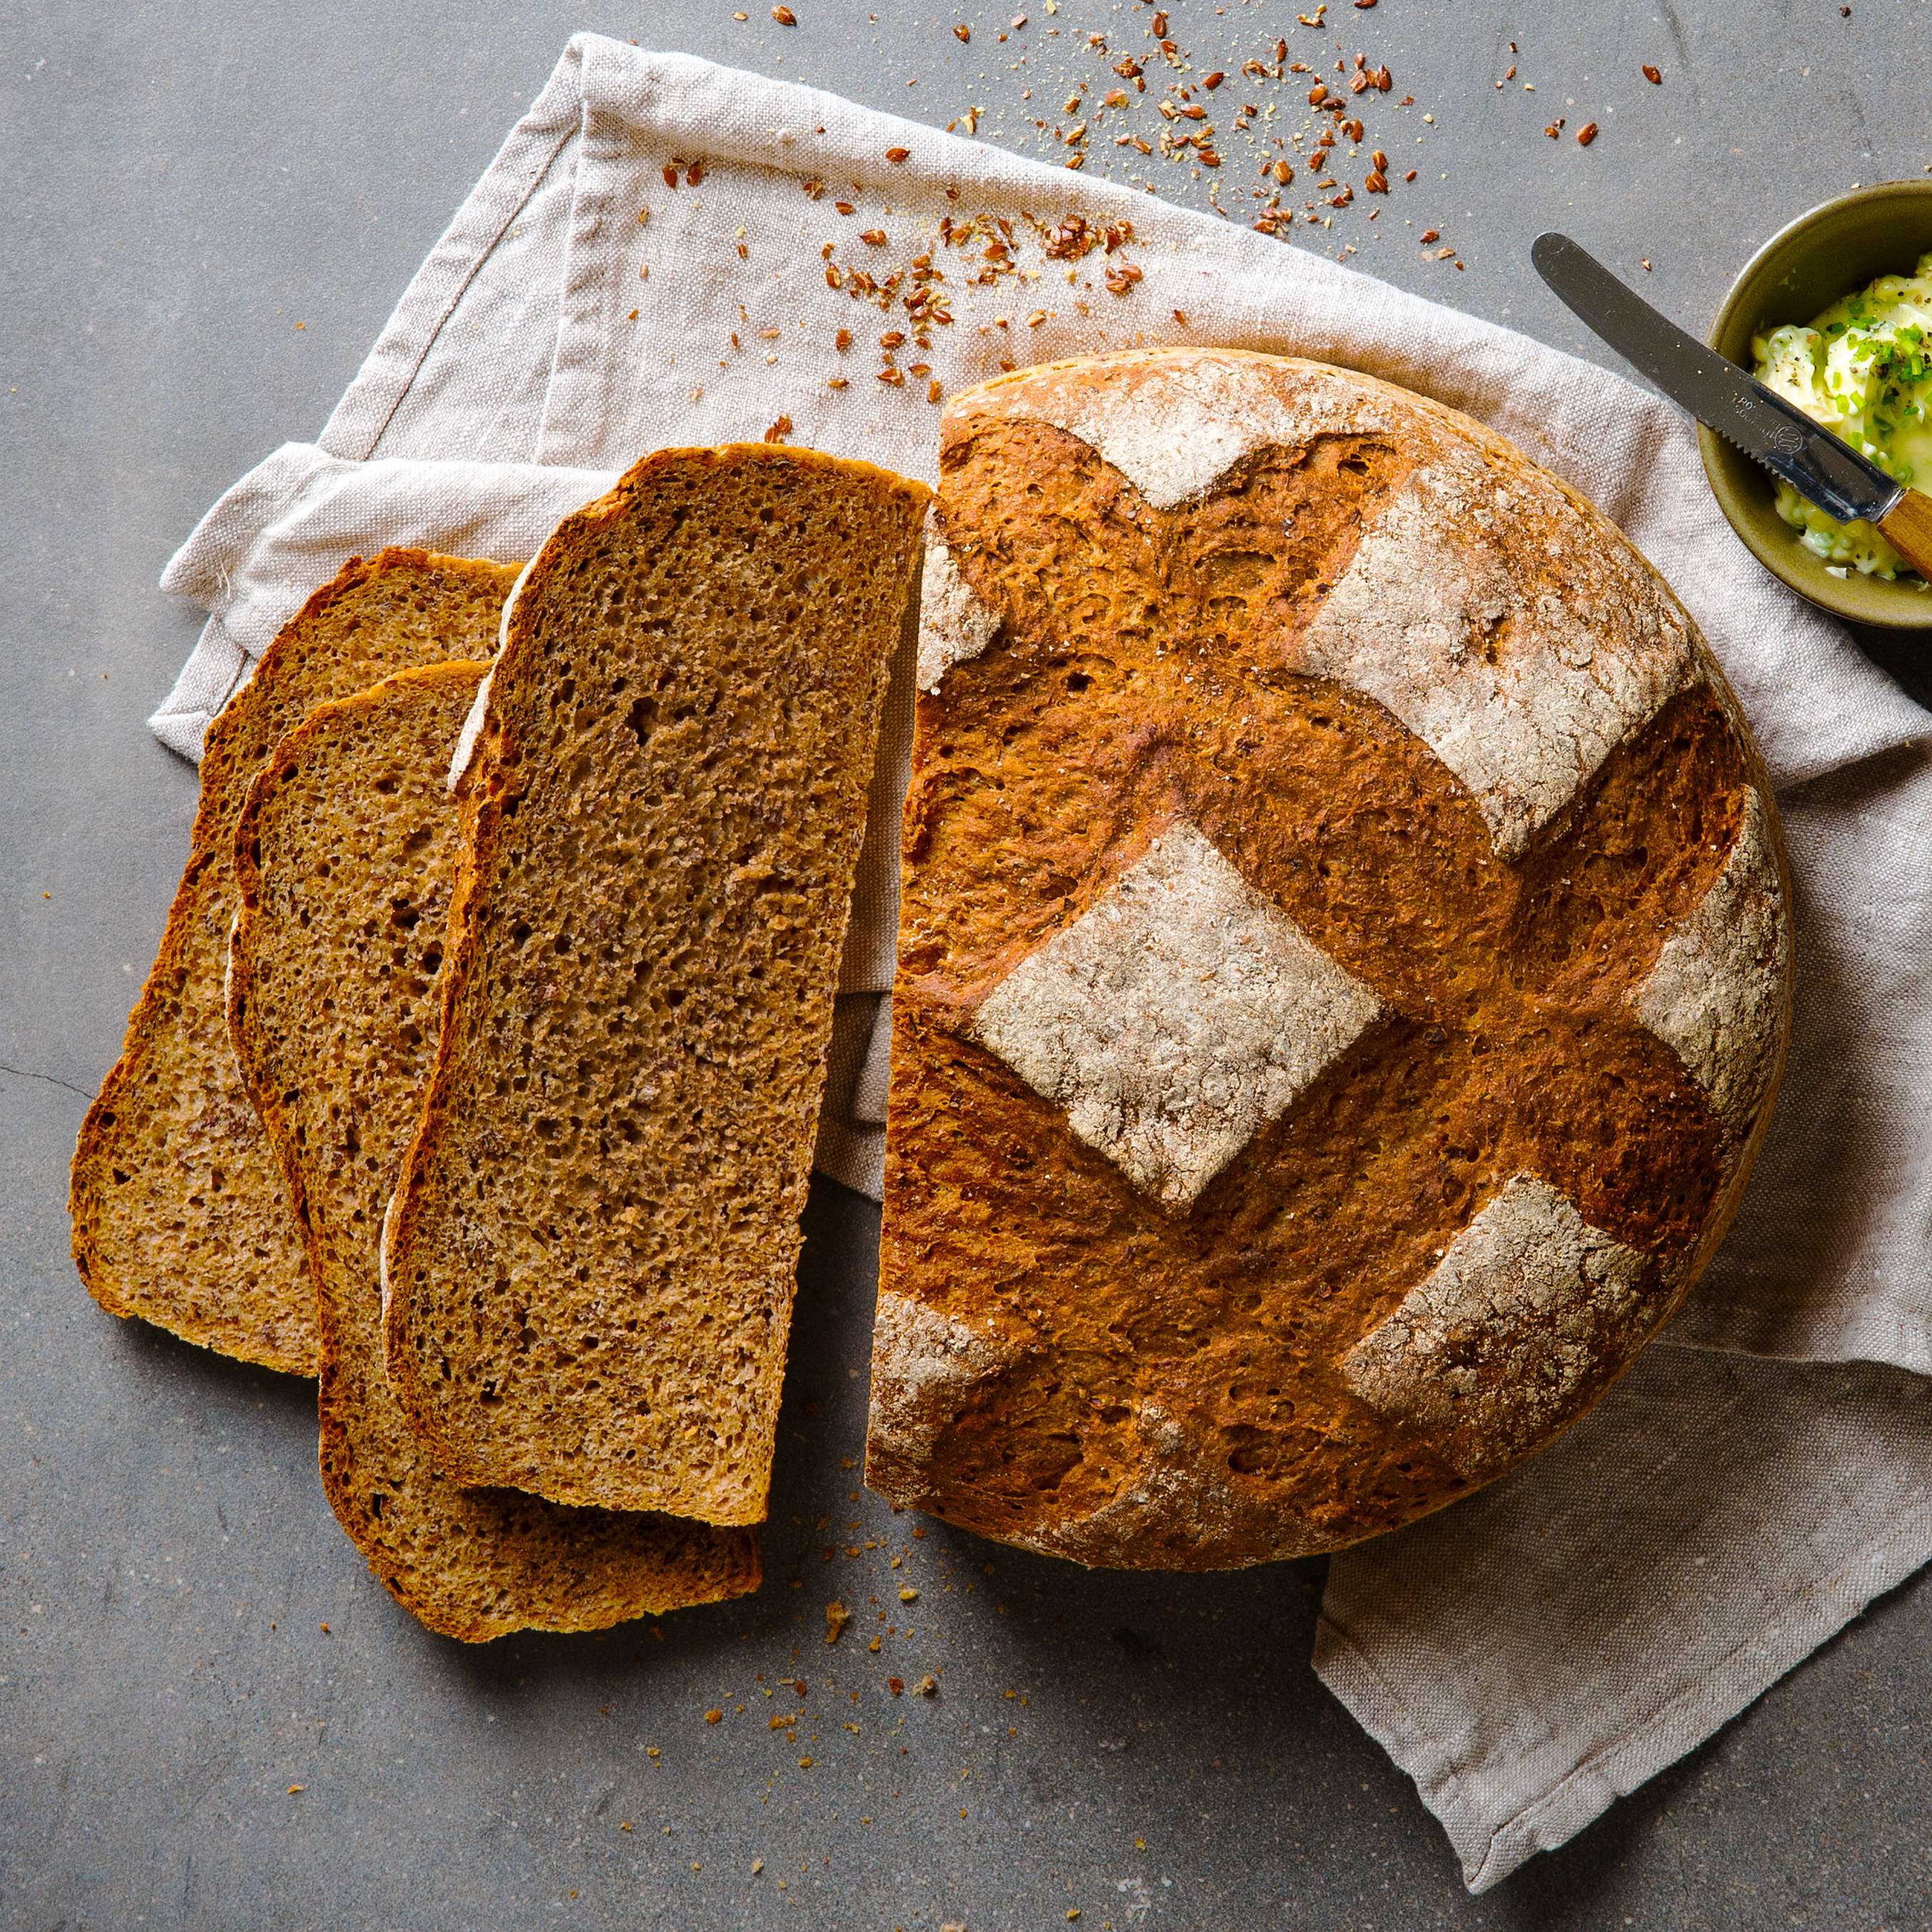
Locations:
column 1492, row 1350
column 1176, row 1018
column 1174, row 429
column 1518, row 696
column 955, row 622
column 1715, row 993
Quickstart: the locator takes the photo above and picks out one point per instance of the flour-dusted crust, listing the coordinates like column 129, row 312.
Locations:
column 1176, row 1018
column 1715, row 990
column 1345, row 966
column 953, row 624
column 1505, row 678
column 1490, row 1351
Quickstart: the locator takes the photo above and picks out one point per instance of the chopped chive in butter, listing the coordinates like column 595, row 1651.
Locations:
column 1863, row 369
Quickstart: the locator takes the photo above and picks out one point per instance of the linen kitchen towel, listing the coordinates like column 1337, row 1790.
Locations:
column 662, row 254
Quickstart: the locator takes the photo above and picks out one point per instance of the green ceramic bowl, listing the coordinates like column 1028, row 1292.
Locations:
column 1881, row 230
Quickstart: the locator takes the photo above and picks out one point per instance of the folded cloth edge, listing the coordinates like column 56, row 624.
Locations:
column 1816, row 1612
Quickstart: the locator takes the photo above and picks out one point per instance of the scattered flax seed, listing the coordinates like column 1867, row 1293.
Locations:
column 670, row 174
column 784, row 16
column 1214, row 80
column 896, row 377
column 908, row 1594
column 1555, row 128
column 1586, row 133
column 896, row 155
column 805, row 1764
column 1429, row 235
column 837, row 1616
column 694, row 174
column 837, row 382
column 933, row 390
column 962, row 33
column 844, row 208
column 843, row 340
column 1180, row 316
column 757, row 1866
column 1653, row 75
column 896, row 1685
column 778, row 431
column 714, row 1717
column 294, row 1788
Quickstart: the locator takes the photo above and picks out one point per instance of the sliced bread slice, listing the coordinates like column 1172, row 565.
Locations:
column 179, row 1214
column 343, row 857
column 590, row 1258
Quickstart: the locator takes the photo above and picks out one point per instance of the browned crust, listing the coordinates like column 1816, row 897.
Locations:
column 480, row 792
column 980, row 1402
column 619, row 1566
column 256, row 1305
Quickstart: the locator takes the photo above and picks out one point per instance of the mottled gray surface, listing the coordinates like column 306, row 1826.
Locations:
column 186, row 184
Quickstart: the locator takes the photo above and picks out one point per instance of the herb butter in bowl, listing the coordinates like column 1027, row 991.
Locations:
column 1835, row 314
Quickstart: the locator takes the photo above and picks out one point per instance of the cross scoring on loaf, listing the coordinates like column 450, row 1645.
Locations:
column 1147, row 660
column 1175, row 1018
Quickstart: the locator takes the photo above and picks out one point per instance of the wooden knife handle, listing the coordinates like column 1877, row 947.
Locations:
column 1909, row 530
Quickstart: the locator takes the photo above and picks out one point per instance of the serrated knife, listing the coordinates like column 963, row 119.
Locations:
column 1822, row 469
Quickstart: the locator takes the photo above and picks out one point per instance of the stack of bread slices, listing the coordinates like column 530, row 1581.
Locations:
column 478, row 1072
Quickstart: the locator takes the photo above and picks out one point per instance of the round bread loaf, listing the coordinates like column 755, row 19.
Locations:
column 1344, row 965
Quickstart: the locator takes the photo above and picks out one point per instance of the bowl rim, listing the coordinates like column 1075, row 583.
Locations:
column 1720, row 461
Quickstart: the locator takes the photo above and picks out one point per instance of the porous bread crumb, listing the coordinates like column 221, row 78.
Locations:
column 591, row 1259
column 180, row 1214
column 345, row 852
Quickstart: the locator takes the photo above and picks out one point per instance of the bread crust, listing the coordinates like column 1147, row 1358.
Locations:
column 671, row 1268
column 179, row 1213
column 337, row 1098
column 1418, row 698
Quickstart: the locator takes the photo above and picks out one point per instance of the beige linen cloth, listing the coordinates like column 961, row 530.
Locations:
column 1531, row 1654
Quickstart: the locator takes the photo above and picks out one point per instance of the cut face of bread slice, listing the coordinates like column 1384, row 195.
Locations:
column 344, row 855
column 179, row 1213
column 590, row 1258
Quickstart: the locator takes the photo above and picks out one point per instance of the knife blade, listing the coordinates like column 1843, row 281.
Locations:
column 1819, row 466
